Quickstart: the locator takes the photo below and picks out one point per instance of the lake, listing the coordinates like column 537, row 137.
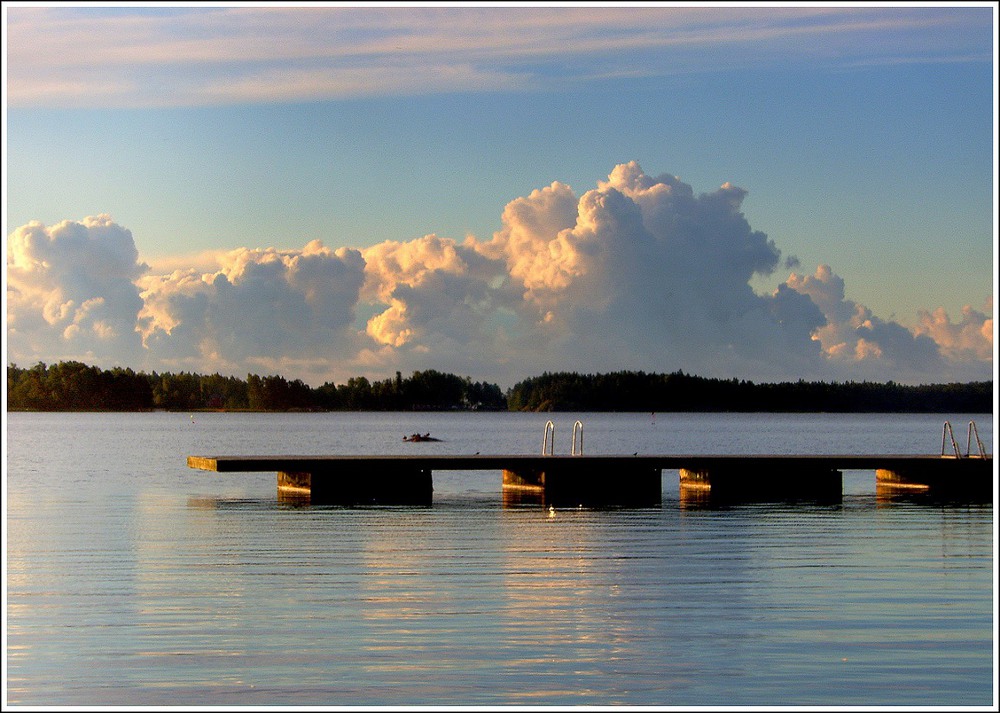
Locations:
column 133, row 580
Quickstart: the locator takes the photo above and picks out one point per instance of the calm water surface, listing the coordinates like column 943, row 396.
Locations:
column 132, row 580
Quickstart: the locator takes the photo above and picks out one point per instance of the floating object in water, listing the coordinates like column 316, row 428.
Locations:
column 417, row 438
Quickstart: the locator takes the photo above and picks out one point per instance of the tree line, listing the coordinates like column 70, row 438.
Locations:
column 73, row 386
column 638, row 391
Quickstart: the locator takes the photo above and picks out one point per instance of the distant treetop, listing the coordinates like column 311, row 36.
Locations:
column 73, row 386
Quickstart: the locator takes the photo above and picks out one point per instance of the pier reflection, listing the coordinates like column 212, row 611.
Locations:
column 514, row 498
column 555, row 633
column 576, row 484
column 703, row 499
column 583, row 608
column 891, row 494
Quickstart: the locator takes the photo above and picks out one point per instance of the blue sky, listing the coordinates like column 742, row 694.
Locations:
column 862, row 136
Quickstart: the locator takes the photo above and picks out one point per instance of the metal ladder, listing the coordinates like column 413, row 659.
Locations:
column 979, row 443
column 549, row 438
column 947, row 431
column 550, row 428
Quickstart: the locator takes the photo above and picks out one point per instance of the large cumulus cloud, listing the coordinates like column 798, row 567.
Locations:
column 278, row 311
column 642, row 273
column 639, row 272
column 439, row 304
column 860, row 345
column 968, row 341
column 71, row 292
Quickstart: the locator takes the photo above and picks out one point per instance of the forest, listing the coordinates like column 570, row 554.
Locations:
column 73, row 386
column 638, row 391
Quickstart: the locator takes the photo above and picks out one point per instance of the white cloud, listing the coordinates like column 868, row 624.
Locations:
column 258, row 307
column 860, row 345
column 639, row 272
column 642, row 273
column 442, row 304
column 970, row 340
column 71, row 291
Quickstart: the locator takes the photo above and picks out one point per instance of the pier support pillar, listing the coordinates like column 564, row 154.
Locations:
column 572, row 485
column 364, row 485
column 965, row 480
column 748, row 483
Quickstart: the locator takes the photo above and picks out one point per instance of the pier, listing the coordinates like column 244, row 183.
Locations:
column 609, row 480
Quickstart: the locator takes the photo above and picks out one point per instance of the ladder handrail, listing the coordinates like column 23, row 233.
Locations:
column 549, row 428
column 945, row 430
column 573, row 452
column 979, row 443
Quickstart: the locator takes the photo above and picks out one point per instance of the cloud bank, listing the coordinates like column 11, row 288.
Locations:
column 639, row 272
column 71, row 290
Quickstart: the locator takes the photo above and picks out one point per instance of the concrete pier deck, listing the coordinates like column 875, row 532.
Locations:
column 606, row 479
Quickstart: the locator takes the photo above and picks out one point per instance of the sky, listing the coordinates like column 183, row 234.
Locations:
column 741, row 191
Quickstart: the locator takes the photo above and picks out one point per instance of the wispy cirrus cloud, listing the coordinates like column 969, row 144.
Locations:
column 138, row 56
